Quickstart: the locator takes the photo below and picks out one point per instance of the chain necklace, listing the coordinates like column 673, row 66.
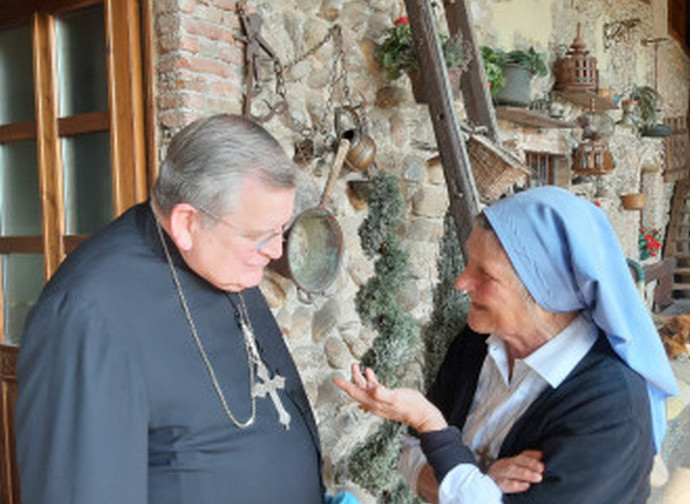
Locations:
column 202, row 350
column 266, row 387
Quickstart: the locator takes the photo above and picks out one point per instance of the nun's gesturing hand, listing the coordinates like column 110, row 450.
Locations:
column 401, row 404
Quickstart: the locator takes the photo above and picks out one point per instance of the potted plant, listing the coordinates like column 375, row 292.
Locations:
column 396, row 55
column 518, row 67
column 648, row 105
column 650, row 241
column 493, row 60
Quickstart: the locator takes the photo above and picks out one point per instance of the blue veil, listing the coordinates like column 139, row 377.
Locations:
column 569, row 258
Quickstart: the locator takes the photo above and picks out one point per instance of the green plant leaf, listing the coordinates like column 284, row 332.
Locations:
column 396, row 52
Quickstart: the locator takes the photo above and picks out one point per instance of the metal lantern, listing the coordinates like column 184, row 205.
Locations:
column 592, row 157
column 577, row 70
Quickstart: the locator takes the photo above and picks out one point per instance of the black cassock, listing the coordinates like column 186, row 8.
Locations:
column 116, row 405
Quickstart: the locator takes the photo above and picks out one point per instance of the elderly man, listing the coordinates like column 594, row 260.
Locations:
column 554, row 394
column 151, row 370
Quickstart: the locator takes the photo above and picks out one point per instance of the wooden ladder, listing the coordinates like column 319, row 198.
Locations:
column 462, row 190
column 678, row 239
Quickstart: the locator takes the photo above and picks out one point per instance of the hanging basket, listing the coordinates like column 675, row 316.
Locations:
column 495, row 169
column 633, row 201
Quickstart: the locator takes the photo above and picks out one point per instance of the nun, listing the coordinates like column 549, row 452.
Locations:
column 554, row 392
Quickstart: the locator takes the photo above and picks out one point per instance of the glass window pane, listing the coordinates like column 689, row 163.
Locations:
column 88, row 184
column 20, row 209
column 16, row 75
column 82, row 62
column 22, row 276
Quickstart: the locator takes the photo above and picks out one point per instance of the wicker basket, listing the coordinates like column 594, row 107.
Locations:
column 495, row 169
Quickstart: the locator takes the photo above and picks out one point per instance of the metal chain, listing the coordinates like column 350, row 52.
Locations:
column 250, row 346
column 338, row 74
column 332, row 32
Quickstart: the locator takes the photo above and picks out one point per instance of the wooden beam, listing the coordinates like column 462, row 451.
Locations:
column 71, row 242
column 473, row 82
column 462, row 191
column 17, row 132
column 49, row 157
column 9, row 489
column 128, row 144
column 21, row 245
column 91, row 122
column 148, row 42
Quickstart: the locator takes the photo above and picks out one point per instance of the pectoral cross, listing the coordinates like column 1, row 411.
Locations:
column 270, row 386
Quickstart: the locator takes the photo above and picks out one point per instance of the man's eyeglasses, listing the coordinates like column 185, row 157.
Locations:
column 258, row 241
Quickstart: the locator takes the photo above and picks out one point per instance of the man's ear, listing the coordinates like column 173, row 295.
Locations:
column 182, row 221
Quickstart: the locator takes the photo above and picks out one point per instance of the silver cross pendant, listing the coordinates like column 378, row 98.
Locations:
column 270, row 386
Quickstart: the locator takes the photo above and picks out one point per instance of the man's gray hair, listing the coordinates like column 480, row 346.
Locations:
column 207, row 161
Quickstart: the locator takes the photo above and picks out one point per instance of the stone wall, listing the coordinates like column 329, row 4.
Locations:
column 200, row 71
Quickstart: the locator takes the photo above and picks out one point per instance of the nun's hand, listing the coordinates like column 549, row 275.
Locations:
column 400, row 405
column 519, row 473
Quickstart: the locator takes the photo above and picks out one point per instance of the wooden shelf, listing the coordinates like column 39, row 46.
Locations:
column 584, row 98
column 530, row 118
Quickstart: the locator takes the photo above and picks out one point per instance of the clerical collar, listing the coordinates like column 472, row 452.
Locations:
column 556, row 358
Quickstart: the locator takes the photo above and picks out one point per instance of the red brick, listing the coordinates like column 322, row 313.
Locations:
column 192, row 101
column 190, row 44
column 204, row 65
column 222, row 88
column 202, row 28
column 233, row 55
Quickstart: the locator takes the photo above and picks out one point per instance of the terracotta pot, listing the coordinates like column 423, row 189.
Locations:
column 633, row 201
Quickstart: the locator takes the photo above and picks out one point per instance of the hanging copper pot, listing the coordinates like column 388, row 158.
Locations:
column 313, row 245
column 362, row 147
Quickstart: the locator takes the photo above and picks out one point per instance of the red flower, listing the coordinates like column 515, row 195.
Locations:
column 650, row 242
column 597, row 204
column 401, row 20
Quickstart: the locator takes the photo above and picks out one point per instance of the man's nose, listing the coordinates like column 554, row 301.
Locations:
column 273, row 247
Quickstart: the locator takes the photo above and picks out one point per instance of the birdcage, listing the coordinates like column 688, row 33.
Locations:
column 592, row 157
column 577, row 70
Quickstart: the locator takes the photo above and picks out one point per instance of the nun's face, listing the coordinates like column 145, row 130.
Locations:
column 500, row 303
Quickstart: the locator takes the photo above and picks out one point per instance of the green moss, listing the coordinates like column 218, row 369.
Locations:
column 373, row 465
column 386, row 212
column 450, row 305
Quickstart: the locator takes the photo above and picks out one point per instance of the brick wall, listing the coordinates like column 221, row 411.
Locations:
column 199, row 62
